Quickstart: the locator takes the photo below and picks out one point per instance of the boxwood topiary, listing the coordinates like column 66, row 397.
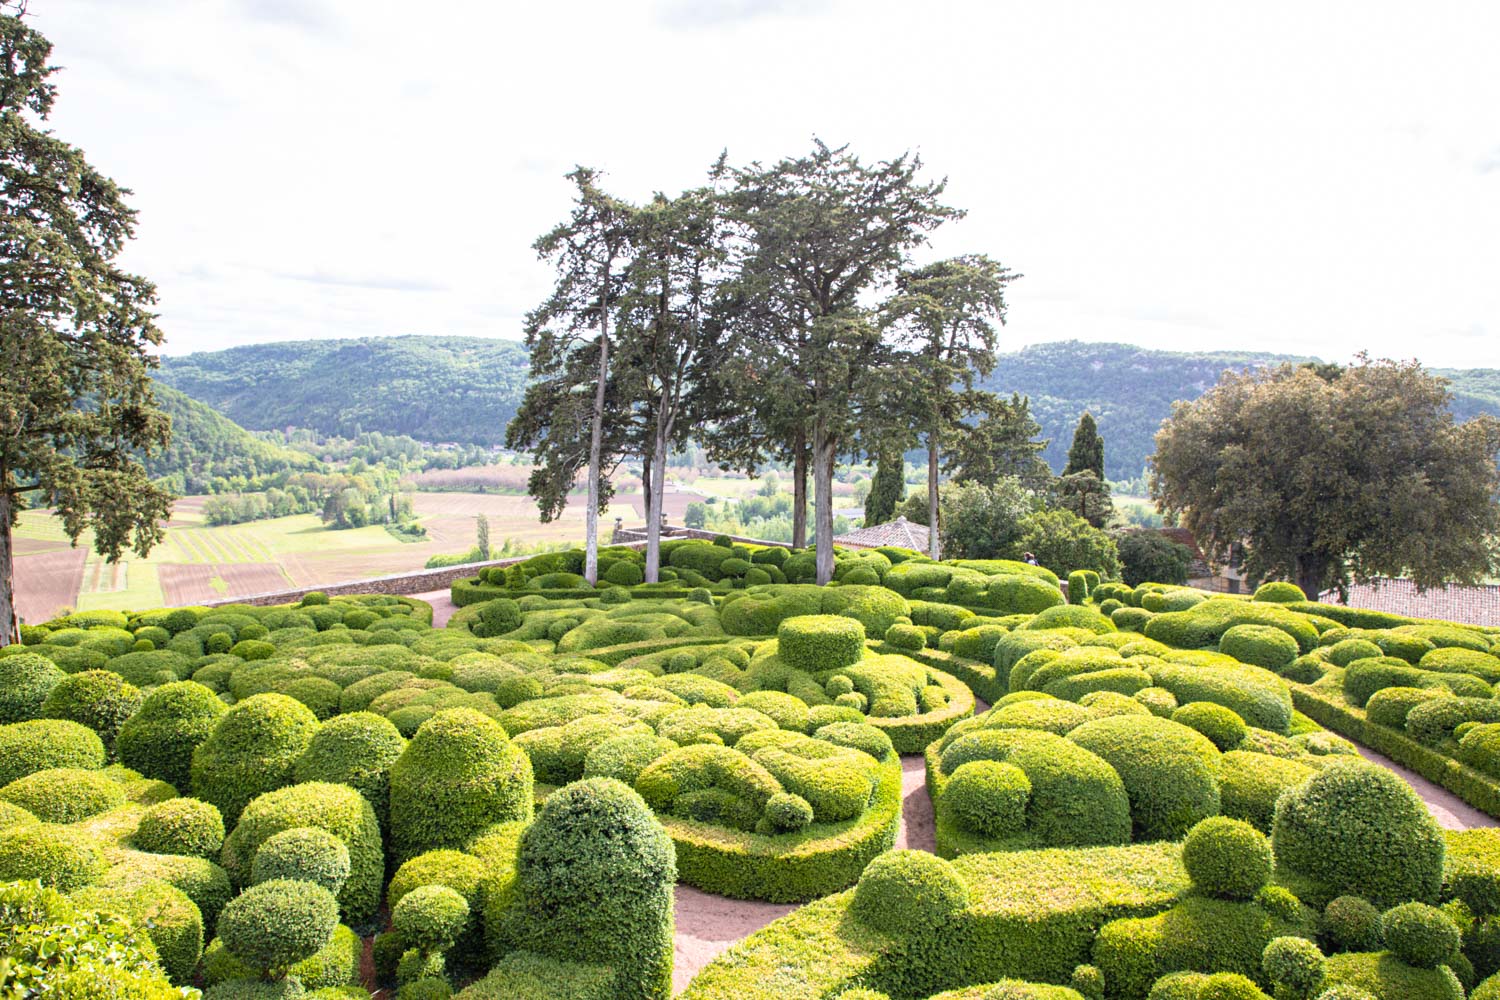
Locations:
column 168, row 916
column 1295, row 966
column 1322, row 831
column 26, row 680
column 908, row 893
column 459, row 774
column 1351, row 923
column 1261, row 645
column 304, row 853
column 1227, row 858
column 988, row 798
column 98, row 699
column 38, row 745
column 326, row 974
column 64, row 794
column 1279, row 592
column 1419, row 934
column 252, row 749
column 1225, row 729
column 358, row 750
column 274, row 925
column 59, row 857
column 430, row 917
column 820, row 642
column 1166, row 767
column 1382, row 976
column 1250, row 783
column 181, row 826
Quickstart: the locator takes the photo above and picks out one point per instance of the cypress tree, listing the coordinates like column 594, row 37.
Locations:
column 1087, row 452
column 887, row 488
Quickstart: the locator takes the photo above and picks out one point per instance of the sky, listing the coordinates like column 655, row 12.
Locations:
column 1313, row 178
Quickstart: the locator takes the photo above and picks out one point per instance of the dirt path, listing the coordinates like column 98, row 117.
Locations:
column 442, row 606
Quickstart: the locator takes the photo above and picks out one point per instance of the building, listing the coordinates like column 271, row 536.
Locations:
column 900, row 533
column 1477, row 605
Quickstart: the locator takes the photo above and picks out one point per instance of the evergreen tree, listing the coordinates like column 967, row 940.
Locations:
column 482, row 539
column 76, row 332
column 887, row 488
column 1087, row 452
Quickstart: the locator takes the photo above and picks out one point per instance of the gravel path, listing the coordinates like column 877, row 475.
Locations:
column 707, row 925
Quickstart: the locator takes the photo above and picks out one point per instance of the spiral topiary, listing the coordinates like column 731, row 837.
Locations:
column 1419, row 934
column 904, row 892
column 1227, row 858
column 160, row 738
column 274, row 925
column 304, row 853
column 181, row 826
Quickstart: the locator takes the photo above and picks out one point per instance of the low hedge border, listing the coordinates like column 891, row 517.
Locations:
column 471, row 591
column 979, row 677
column 621, row 655
column 913, row 733
column 788, row 868
column 1475, row 788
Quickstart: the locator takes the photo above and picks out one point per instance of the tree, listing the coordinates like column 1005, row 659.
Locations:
column 1324, row 481
column 1086, row 495
column 887, row 488
column 587, row 252
column 815, row 237
column 1062, row 541
column 1151, row 557
column 77, row 412
column 482, row 536
column 977, row 520
column 696, row 515
column 1087, row 452
column 1003, row 442
column 947, row 312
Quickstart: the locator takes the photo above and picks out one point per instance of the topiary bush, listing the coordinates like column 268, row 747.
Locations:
column 358, row 750
column 253, row 749
column 26, row 680
column 302, row 853
column 1419, row 934
column 820, row 642
column 1166, row 767
column 1279, row 592
column 59, row 857
column 988, row 798
column 172, row 921
column 1225, row 729
column 181, row 826
column 1351, row 923
column 430, row 917
column 274, row 925
column 1295, row 966
column 459, row 774
column 160, row 738
column 42, row 744
column 1261, row 645
column 64, row 795
column 1227, row 858
column 908, row 893
column 98, row 699
column 1323, row 831
column 594, row 880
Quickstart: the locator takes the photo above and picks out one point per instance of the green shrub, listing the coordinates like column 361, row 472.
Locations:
column 1250, row 783
column 1261, row 645
column 1322, row 831
column 181, row 826
column 1295, row 966
column 1346, row 651
column 38, row 745
column 1205, row 623
column 1279, row 592
column 1383, row 976
column 820, row 642
column 908, row 637
column 431, row 917
column 327, row 973
column 337, row 809
column 1227, row 858
column 302, row 853
column 59, row 857
column 458, row 775
column 625, row 757
column 25, row 682
column 358, row 750
column 1158, row 701
column 1255, row 694
column 1419, row 934
column 988, row 798
column 168, row 916
column 908, row 893
column 1224, row 728
column 64, row 794
column 204, row 882
column 594, row 879
column 1433, row 722
column 252, row 750
column 1390, row 706
column 1166, row 767
column 1351, row 923
column 98, row 699
column 274, row 925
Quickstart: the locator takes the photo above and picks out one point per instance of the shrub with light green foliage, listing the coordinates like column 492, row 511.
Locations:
column 25, row 682
column 302, row 853
column 1205, row 623
column 160, row 738
column 99, row 699
column 253, row 749
column 1295, row 966
column 1380, row 975
column 1322, row 832
column 820, row 642
column 60, row 857
column 1070, row 616
column 172, row 921
column 908, row 892
column 1261, row 645
column 1351, row 923
column 1166, row 767
column 1419, row 934
column 1433, row 722
column 1390, row 706
column 458, row 775
column 593, row 884
column 274, row 925
column 430, row 918
column 1279, row 592
column 181, row 826
column 1224, row 728
column 1250, row 783
column 988, row 798
column 336, row 809
column 358, row 750
column 1227, row 858
column 1346, row 651
column 64, row 794
column 42, row 744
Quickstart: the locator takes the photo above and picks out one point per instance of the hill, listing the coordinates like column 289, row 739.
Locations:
column 462, row 389
column 207, row 445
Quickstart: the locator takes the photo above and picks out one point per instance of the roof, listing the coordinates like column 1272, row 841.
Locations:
column 1476, row 605
column 900, row 533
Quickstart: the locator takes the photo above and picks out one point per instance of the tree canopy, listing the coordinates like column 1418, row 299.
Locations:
column 1324, row 481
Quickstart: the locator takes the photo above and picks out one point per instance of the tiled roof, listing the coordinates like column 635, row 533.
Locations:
column 1470, row 605
column 900, row 532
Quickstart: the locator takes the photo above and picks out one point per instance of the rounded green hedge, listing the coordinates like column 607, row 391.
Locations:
column 1279, row 592
column 59, row 857
column 26, row 680
column 358, row 750
column 172, row 921
column 988, row 798
column 1419, row 934
column 430, row 917
column 1227, row 857
column 64, row 794
column 820, row 642
column 1323, row 831
column 1261, row 645
column 42, row 744
column 1250, row 783
column 459, row 774
column 160, row 738
column 253, row 749
column 1351, row 923
column 305, row 854
column 274, row 925
column 181, row 826
column 1295, row 965
column 1166, row 767
column 909, row 893
column 1225, row 729
column 99, row 699
column 337, row 809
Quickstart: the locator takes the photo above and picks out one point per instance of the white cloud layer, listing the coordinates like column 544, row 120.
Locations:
column 1316, row 178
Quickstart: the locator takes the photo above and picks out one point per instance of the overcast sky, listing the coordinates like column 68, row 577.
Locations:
column 1308, row 177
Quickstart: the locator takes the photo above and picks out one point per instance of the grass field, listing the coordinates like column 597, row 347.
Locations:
column 199, row 563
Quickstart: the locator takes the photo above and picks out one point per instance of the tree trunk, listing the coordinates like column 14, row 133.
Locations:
column 596, row 445
column 799, row 490
column 932, row 494
column 824, row 449
column 1310, row 577
column 658, row 473
column 9, row 630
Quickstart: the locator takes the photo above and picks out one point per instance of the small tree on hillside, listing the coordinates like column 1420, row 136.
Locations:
column 887, row 487
column 76, row 332
column 1087, row 451
column 1330, row 477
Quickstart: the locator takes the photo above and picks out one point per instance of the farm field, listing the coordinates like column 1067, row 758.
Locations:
column 197, row 563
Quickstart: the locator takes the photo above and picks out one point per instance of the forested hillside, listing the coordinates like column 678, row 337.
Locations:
column 462, row 389
column 206, row 446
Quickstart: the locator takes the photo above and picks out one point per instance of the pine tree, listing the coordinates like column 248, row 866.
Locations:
column 887, row 488
column 1087, row 452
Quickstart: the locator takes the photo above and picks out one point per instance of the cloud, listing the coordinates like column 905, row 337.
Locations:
column 379, row 282
column 716, row 13
column 1489, row 163
column 306, row 15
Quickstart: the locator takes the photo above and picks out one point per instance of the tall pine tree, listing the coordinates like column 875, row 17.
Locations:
column 887, row 488
column 1087, row 452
